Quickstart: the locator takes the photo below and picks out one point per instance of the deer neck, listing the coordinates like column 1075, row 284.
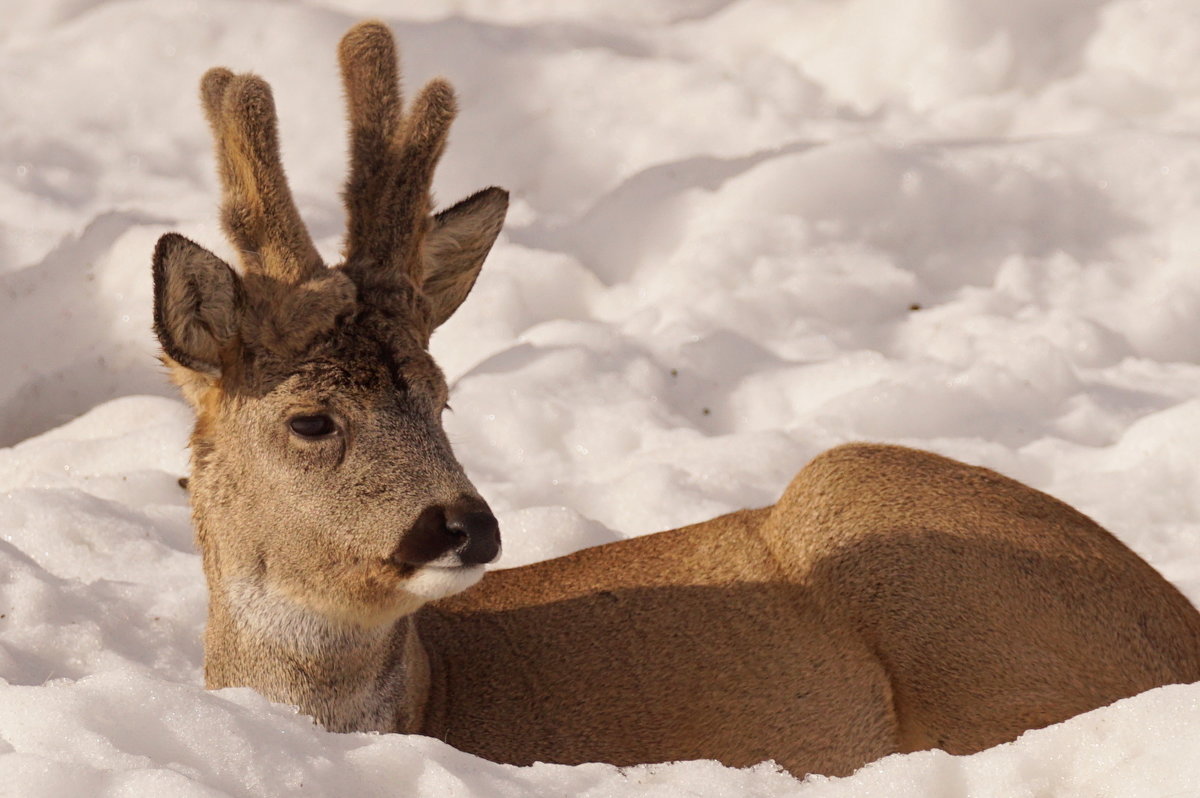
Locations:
column 349, row 678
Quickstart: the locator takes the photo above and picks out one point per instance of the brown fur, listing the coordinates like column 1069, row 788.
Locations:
column 892, row 600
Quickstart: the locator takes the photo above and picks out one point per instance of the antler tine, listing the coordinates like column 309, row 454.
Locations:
column 212, row 92
column 370, row 78
column 392, row 155
column 426, row 129
column 257, row 209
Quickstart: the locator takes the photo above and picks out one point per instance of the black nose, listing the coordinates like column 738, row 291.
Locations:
column 478, row 531
column 464, row 530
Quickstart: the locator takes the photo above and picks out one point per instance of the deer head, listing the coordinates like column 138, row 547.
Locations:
column 321, row 476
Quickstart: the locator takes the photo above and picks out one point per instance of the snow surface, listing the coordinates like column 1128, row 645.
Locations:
column 743, row 231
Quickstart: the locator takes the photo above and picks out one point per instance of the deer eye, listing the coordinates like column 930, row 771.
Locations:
column 315, row 426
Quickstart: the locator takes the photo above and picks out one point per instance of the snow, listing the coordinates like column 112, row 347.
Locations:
column 743, row 231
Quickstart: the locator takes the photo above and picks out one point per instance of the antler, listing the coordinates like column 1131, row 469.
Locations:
column 392, row 155
column 257, row 210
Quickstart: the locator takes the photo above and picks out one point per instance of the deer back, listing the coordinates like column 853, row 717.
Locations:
column 994, row 607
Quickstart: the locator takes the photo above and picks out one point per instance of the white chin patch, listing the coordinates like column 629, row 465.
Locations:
column 432, row 582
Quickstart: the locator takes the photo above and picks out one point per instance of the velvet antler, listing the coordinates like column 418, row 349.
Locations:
column 392, row 155
column 257, row 210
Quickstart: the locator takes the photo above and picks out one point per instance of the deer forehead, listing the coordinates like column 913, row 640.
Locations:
column 352, row 365
column 365, row 370
column 329, row 338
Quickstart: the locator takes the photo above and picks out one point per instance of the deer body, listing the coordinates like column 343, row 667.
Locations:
column 891, row 600
column 688, row 644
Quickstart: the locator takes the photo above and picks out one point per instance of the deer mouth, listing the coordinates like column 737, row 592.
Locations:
column 432, row 581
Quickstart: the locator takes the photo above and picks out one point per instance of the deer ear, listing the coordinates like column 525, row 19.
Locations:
column 197, row 303
column 458, row 240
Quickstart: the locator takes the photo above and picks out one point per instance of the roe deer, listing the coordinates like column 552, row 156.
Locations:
column 892, row 600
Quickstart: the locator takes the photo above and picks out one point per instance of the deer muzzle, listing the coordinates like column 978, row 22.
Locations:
column 462, row 533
